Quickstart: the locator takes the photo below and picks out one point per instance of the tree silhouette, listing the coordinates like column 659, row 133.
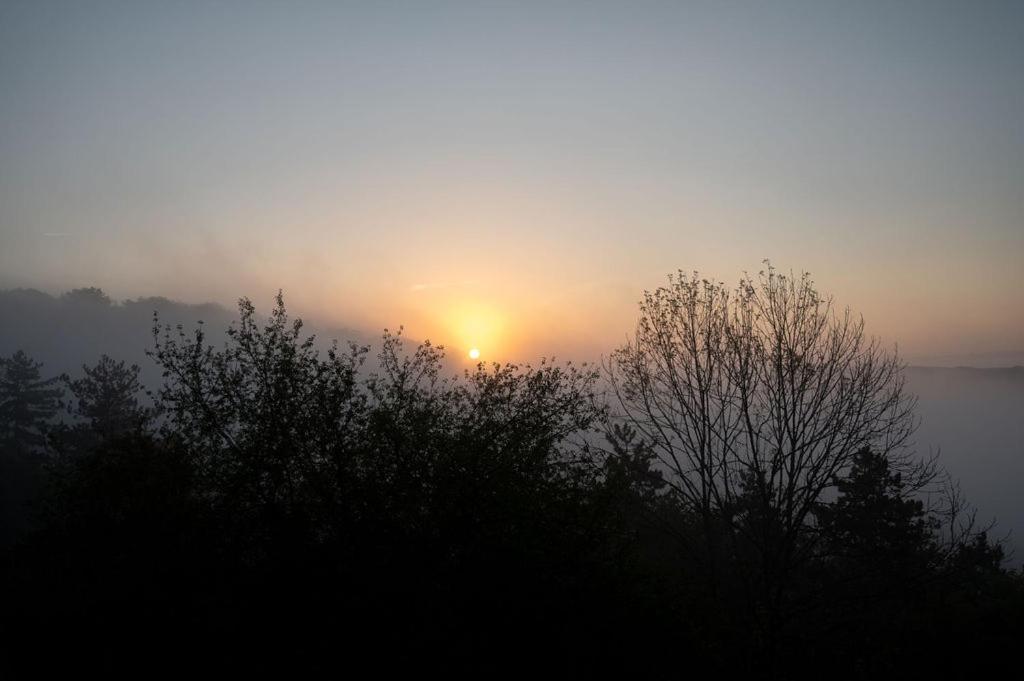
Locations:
column 28, row 404
column 320, row 473
column 876, row 523
column 753, row 401
column 104, row 405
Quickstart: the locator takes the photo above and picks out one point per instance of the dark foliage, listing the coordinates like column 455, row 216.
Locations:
column 27, row 405
column 283, row 510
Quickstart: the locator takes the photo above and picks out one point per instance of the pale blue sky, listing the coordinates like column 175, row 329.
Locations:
column 525, row 167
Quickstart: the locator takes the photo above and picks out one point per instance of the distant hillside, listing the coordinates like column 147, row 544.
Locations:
column 975, row 360
column 76, row 328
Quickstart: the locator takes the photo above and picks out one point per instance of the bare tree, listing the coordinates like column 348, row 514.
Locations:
column 754, row 400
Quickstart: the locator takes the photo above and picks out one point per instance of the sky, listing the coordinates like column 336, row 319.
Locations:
column 512, row 176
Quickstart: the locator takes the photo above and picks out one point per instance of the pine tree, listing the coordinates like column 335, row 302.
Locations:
column 875, row 521
column 106, row 399
column 27, row 404
column 880, row 558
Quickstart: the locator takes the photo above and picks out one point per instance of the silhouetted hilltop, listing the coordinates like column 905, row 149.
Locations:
column 64, row 332
column 75, row 328
column 1010, row 373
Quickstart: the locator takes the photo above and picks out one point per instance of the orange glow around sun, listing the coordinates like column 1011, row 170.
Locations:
column 473, row 326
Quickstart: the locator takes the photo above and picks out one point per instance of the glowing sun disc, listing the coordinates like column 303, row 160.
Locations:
column 474, row 353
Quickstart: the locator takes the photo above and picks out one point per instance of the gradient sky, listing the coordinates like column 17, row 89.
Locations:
column 514, row 175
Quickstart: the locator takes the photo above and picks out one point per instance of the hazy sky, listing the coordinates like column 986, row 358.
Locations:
column 513, row 175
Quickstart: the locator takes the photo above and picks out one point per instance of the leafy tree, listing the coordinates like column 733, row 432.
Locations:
column 448, row 500
column 271, row 427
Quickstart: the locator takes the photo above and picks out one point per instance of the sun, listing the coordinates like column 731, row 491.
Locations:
column 474, row 353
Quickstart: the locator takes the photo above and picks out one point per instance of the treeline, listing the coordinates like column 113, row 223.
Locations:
column 78, row 326
column 274, row 509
